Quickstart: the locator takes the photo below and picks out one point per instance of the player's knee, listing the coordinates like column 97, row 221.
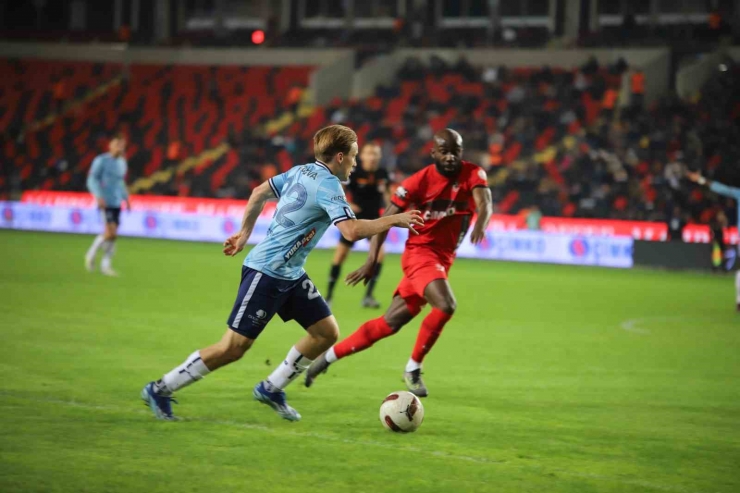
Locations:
column 330, row 335
column 233, row 353
column 448, row 306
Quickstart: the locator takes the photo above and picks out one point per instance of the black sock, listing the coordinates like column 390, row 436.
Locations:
column 333, row 276
column 371, row 284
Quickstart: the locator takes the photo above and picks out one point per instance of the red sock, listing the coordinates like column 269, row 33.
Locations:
column 364, row 337
column 429, row 332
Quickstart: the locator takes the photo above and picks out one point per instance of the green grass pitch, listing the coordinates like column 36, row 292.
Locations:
column 548, row 379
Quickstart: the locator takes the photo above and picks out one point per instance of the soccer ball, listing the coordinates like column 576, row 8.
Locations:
column 401, row 412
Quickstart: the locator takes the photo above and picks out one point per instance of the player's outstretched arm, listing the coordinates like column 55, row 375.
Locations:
column 260, row 195
column 484, row 211
column 366, row 272
column 714, row 186
column 357, row 229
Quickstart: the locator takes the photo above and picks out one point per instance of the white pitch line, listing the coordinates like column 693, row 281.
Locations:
column 633, row 324
column 373, row 443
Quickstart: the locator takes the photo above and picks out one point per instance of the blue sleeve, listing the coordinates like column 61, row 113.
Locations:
column 93, row 177
column 124, row 188
column 277, row 183
column 722, row 189
column 331, row 198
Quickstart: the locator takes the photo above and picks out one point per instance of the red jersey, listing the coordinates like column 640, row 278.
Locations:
column 445, row 203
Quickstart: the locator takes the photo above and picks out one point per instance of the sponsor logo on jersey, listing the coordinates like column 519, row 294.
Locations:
column 401, row 192
column 482, row 174
column 338, row 198
column 432, row 215
column 302, row 241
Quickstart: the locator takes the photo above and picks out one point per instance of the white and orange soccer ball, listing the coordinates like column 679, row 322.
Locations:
column 401, row 412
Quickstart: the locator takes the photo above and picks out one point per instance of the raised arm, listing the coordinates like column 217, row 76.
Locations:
column 484, row 210
column 257, row 200
column 714, row 186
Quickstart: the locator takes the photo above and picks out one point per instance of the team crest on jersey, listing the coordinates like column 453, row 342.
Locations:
column 402, row 192
column 455, row 187
column 301, row 242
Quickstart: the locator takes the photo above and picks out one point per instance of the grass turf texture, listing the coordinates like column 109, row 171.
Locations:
column 548, row 378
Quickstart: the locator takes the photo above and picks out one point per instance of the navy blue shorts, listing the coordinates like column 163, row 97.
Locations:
column 260, row 297
column 113, row 215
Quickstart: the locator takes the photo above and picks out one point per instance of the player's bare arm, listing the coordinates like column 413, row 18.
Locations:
column 260, row 195
column 484, row 210
column 356, row 229
column 366, row 272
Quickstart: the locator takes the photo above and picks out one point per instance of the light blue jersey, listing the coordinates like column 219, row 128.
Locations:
column 732, row 192
column 310, row 199
column 106, row 179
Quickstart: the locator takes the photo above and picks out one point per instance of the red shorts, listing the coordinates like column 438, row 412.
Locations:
column 420, row 267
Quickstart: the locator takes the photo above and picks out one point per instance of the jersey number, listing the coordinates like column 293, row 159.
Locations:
column 300, row 195
column 313, row 293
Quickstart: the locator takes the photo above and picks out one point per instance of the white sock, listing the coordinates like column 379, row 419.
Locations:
column 109, row 248
column 192, row 370
column 330, row 355
column 737, row 286
column 412, row 365
column 295, row 364
column 95, row 246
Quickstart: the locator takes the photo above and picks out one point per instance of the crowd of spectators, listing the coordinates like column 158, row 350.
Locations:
column 573, row 143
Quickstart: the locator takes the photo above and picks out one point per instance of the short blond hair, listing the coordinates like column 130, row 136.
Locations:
column 331, row 140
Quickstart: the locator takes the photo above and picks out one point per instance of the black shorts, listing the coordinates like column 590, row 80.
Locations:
column 113, row 215
column 261, row 296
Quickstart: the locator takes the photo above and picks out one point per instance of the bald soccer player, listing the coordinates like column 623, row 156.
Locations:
column 448, row 192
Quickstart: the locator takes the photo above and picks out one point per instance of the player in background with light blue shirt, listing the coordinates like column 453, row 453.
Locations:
column 107, row 182
column 273, row 280
column 727, row 191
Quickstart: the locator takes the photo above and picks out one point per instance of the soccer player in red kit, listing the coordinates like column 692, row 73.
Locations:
column 447, row 192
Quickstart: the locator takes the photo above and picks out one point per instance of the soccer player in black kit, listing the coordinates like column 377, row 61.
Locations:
column 368, row 189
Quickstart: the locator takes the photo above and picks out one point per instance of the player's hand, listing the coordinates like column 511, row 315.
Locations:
column 364, row 274
column 101, row 202
column 694, row 176
column 235, row 244
column 478, row 235
column 409, row 220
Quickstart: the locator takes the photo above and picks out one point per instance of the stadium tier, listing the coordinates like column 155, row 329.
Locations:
column 59, row 115
column 572, row 143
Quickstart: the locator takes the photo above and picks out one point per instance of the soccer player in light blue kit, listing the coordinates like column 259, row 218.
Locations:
column 273, row 280
column 727, row 191
column 107, row 182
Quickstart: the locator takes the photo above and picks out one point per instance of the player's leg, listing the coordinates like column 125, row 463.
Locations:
column 158, row 395
column 369, row 301
column 109, row 245
column 306, row 306
column 256, row 303
column 439, row 295
column 92, row 252
column 340, row 255
column 399, row 313
column 99, row 242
